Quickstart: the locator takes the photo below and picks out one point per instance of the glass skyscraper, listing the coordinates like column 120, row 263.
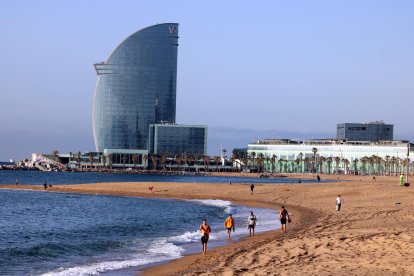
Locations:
column 136, row 87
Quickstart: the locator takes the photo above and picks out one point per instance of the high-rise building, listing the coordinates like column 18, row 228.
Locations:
column 372, row 131
column 136, row 87
column 178, row 139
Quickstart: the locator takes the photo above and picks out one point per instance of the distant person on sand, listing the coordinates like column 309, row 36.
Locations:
column 251, row 188
column 373, row 178
column 318, row 178
column 251, row 223
column 45, row 185
column 338, row 203
column 229, row 224
column 401, row 179
column 284, row 216
column 17, row 181
column 205, row 234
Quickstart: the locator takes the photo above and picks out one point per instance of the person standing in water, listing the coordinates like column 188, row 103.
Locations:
column 284, row 216
column 251, row 223
column 205, row 234
column 229, row 224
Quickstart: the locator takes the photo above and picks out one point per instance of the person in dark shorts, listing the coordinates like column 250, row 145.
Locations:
column 251, row 223
column 205, row 234
column 251, row 188
column 284, row 217
column 229, row 224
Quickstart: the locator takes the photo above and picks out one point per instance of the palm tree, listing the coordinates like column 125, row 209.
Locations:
column 355, row 166
column 393, row 161
column 364, row 161
column 387, row 165
column 124, row 159
column 297, row 162
column 346, row 164
column 378, row 161
column 321, row 161
column 260, row 161
column 103, row 160
column 110, row 161
column 145, row 157
column 306, row 163
column 206, row 160
column 329, row 161
column 337, row 161
column 314, row 151
column 78, row 159
column 163, row 162
column 91, row 159
column 135, row 158
column 273, row 161
column 217, row 160
column 154, row 161
column 300, row 155
column 245, row 160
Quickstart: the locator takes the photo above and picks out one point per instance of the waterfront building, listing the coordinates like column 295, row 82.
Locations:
column 176, row 139
column 330, row 155
column 136, row 87
column 372, row 131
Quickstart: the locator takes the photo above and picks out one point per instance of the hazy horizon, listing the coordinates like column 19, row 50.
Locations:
column 246, row 70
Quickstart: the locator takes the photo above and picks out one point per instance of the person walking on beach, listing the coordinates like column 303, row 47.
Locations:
column 401, row 179
column 284, row 216
column 229, row 224
column 318, row 178
column 205, row 234
column 251, row 223
column 17, row 181
column 251, row 188
column 338, row 203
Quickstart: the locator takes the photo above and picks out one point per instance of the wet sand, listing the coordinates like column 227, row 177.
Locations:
column 372, row 235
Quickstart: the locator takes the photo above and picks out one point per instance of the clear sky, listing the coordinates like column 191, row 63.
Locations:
column 247, row 69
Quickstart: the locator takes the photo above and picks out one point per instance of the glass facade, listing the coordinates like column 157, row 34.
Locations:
column 178, row 139
column 136, row 87
column 365, row 132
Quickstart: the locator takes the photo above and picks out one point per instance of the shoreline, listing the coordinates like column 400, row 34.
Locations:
column 372, row 235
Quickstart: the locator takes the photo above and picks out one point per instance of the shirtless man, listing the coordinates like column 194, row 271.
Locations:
column 205, row 234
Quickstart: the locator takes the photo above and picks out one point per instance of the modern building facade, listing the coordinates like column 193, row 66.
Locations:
column 178, row 139
column 136, row 87
column 292, row 155
column 372, row 131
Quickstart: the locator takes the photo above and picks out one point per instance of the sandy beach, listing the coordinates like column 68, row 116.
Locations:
column 372, row 235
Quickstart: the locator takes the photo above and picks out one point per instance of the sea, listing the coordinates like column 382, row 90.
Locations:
column 50, row 233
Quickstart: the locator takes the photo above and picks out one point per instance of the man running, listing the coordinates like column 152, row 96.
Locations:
column 251, row 223
column 283, row 215
column 205, row 234
column 229, row 224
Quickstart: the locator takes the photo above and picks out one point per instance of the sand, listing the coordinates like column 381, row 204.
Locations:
column 372, row 235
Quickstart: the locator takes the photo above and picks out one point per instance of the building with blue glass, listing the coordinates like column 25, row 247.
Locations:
column 178, row 139
column 136, row 87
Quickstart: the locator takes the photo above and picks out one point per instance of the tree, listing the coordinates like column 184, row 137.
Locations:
column 110, row 161
column 300, row 155
column 55, row 155
column 321, row 161
column 253, row 154
column 91, row 159
column 163, row 162
column 135, row 158
column 78, row 159
column 314, row 151
column 145, row 158
column 273, row 161
column 346, row 164
column 337, row 161
column 260, row 161
column 355, row 166
column 329, row 162
column 206, row 160
column 217, row 160
column 154, row 161
column 124, row 159
column 103, row 160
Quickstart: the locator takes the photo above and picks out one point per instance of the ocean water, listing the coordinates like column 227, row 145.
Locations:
column 37, row 177
column 46, row 233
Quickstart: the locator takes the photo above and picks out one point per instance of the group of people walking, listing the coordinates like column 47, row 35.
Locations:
column 230, row 225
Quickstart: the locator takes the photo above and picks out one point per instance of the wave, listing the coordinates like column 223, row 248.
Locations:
column 158, row 251
column 215, row 202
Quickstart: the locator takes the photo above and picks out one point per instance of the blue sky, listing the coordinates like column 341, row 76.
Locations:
column 247, row 69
